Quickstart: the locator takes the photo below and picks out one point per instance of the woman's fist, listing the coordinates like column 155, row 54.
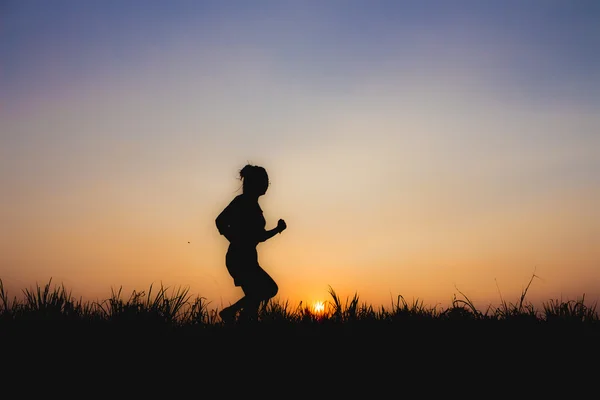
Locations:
column 281, row 225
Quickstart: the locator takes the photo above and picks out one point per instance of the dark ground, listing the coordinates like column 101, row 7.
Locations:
column 287, row 361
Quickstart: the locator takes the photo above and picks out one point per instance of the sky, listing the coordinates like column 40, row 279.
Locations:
column 423, row 149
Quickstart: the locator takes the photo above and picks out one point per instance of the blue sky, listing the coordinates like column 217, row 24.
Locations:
column 546, row 48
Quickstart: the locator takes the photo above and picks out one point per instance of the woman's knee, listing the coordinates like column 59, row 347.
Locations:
column 268, row 290
column 272, row 290
column 268, row 287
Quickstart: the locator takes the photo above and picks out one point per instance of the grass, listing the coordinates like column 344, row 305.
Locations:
column 176, row 308
column 163, row 331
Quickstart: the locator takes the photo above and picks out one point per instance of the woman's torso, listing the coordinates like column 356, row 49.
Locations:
column 248, row 222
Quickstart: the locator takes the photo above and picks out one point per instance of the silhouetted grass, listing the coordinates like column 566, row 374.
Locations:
column 175, row 307
column 168, row 326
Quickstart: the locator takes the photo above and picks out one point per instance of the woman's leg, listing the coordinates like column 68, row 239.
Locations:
column 228, row 313
column 249, row 312
column 236, row 261
column 260, row 288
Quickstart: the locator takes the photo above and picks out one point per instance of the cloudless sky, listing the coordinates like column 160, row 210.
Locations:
column 414, row 148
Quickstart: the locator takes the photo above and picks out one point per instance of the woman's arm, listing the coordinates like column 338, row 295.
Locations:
column 224, row 221
column 266, row 235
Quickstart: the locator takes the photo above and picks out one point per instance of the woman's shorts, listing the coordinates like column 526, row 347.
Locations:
column 242, row 264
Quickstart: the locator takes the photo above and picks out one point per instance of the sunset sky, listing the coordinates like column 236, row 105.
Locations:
column 414, row 148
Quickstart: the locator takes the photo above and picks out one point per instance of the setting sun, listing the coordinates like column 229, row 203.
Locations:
column 319, row 307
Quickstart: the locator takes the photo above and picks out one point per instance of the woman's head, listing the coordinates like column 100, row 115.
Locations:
column 255, row 179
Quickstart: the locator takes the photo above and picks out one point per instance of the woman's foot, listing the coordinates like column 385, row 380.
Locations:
column 227, row 315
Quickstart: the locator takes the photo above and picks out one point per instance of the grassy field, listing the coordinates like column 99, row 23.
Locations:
column 173, row 311
column 47, row 329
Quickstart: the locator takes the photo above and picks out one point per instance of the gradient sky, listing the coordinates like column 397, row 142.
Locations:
column 414, row 148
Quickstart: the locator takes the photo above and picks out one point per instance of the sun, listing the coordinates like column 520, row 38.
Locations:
column 319, row 307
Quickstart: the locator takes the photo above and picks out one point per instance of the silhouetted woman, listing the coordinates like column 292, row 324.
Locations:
column 243, row 224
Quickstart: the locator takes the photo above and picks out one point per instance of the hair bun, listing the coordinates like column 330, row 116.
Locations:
column 244, row 172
